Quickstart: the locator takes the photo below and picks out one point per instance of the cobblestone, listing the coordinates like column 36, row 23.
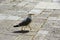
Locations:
column 45, row 24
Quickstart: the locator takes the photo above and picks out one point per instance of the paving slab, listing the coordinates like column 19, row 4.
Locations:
column 45, row 24
column 7, row 37
column 48, row 5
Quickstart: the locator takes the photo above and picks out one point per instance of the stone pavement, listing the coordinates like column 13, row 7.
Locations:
column 45, row 24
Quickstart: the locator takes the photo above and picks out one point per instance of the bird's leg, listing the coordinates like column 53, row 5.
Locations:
column 24, row 28
column 29, row 27
column 21, row 28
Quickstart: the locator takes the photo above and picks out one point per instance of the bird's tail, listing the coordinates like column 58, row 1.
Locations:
column 16, row 26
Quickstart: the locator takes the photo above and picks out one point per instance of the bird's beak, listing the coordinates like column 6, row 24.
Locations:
column 31, row 14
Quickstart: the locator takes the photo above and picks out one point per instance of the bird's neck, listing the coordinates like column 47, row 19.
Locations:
column 29, row 16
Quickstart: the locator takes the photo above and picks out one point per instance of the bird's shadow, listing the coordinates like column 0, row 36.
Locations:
column 21, row 31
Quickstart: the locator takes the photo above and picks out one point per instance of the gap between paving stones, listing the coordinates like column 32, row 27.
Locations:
column 40, row 27
column 30, row 35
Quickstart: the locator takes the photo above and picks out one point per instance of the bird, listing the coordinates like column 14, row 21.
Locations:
column 26, row 22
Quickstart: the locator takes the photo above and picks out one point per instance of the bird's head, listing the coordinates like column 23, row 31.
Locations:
column 29, row 15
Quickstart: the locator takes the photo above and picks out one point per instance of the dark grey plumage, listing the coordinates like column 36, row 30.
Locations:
column 25, row 22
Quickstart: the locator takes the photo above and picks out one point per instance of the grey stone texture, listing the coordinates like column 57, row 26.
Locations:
column 45, row 23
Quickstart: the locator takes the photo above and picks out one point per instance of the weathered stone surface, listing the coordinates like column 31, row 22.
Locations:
column 7, row 37
column 45, row 24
